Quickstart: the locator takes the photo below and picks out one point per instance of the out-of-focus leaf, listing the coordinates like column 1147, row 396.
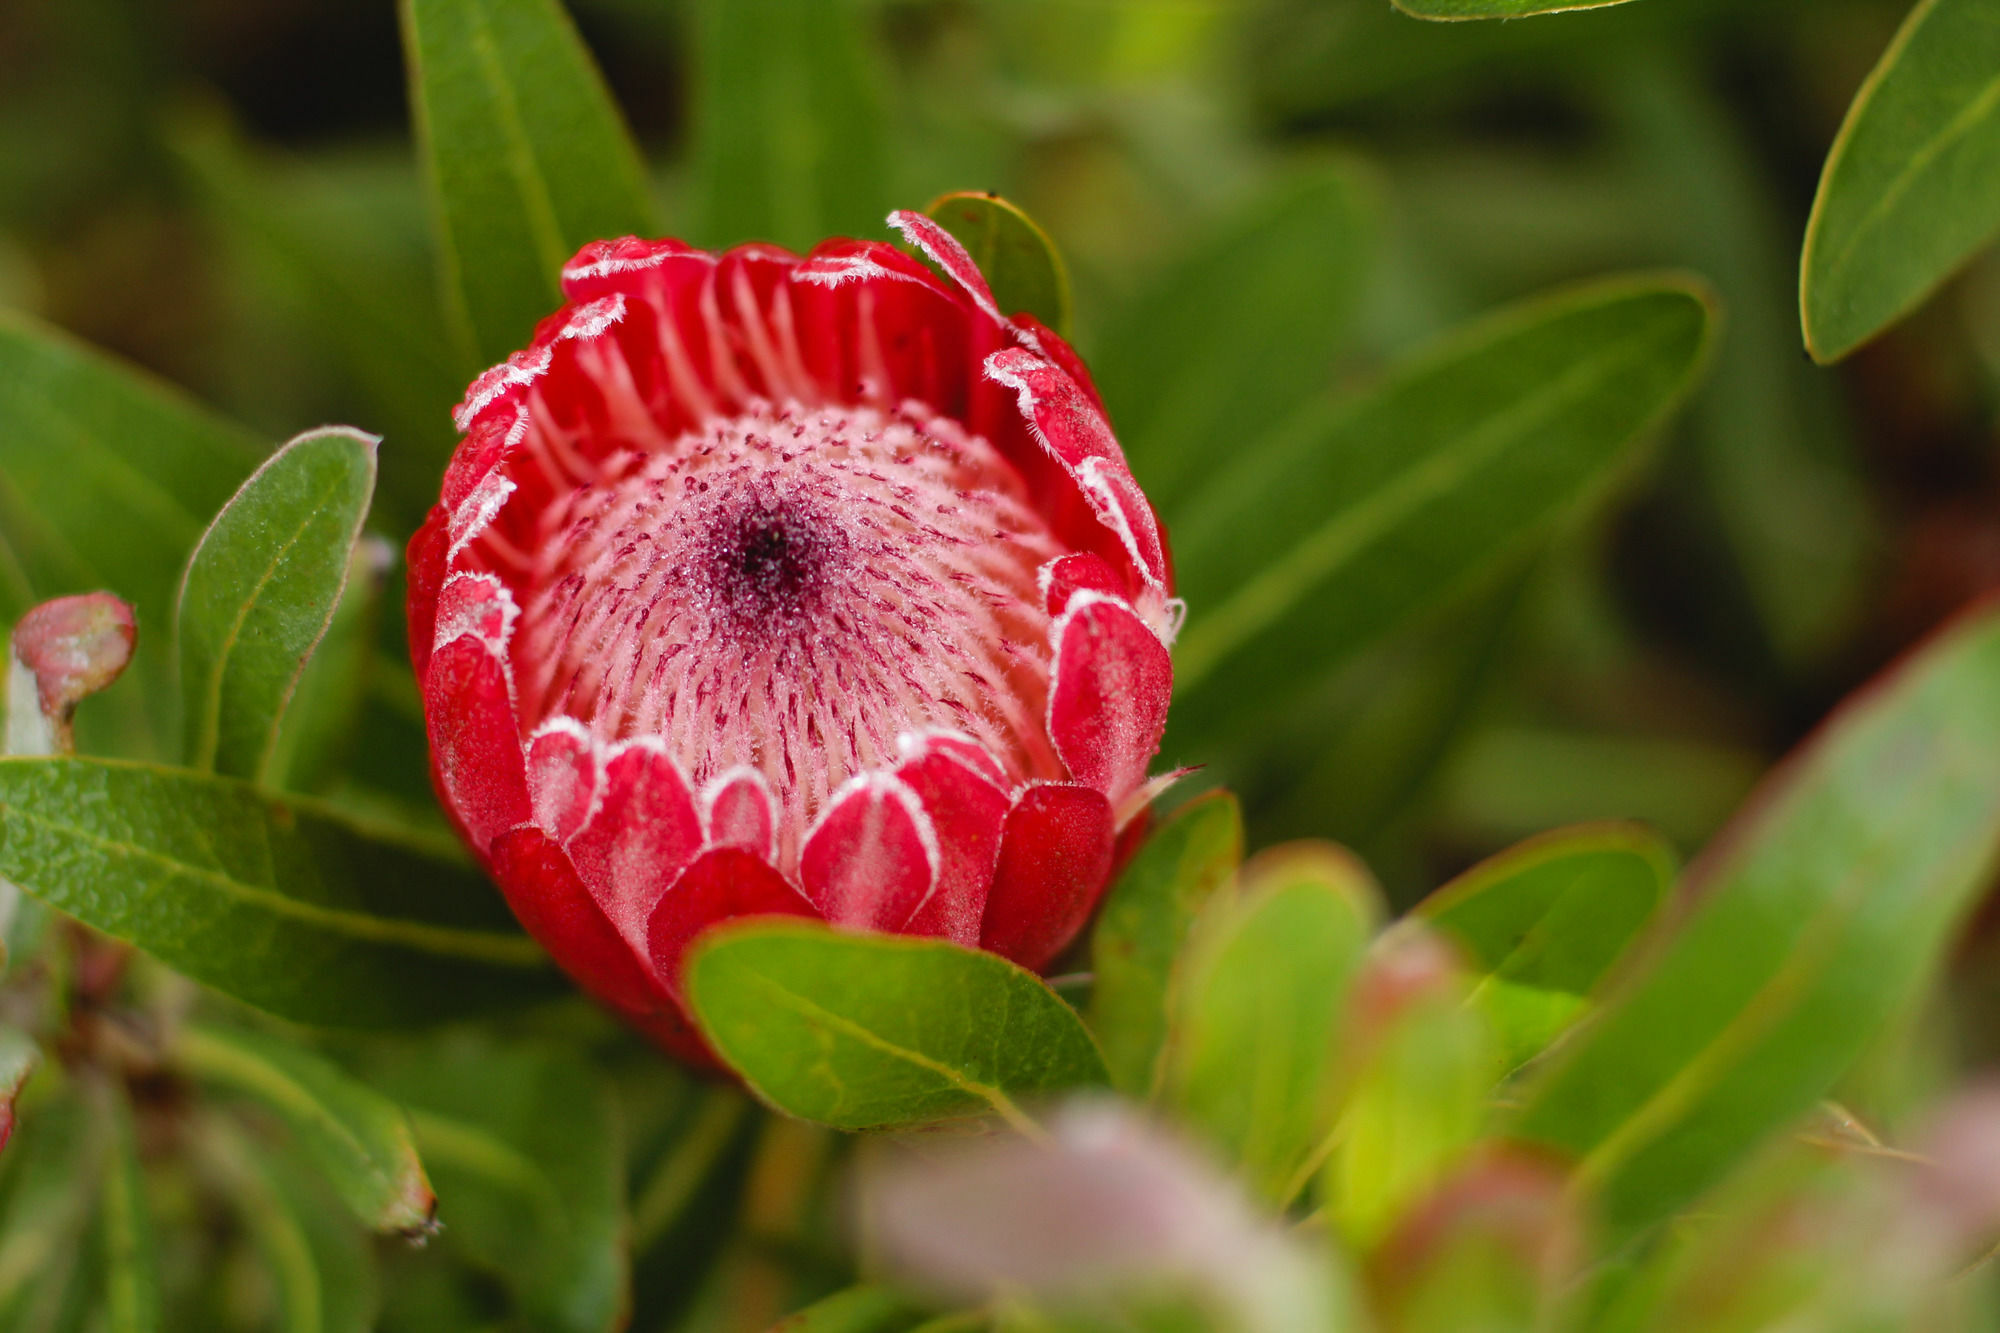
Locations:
column 50, row 1192
column 527, row 156
column 1511, row 782
column 1104, row 1215
column 1912, row 186
column 1495, row 9
column 821, row 1025
column 1817, row 918
column 1769, row 429
column 867, row 1308
column 319, row 1263
column 321, row 723
column 1544, row 921
column 1493, row 1248
column 790, row 141
column 1020, row 262
column 1141, row 930
column 1239, row 334
column 338, row 249
column 357, row 1138
column 529, row 1160
column 1250, row 1052
column 273, row 899
column 125, row 1224
column 19, row 1056
column 1422, row 1073
column 261, row 589
column 107, row 478
column 1353, row 518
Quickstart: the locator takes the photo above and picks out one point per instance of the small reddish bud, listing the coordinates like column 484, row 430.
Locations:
column 69, row 649
column 767, row 584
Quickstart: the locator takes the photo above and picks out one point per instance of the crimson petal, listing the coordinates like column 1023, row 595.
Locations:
column 722, row 885
column 644, row 833
column 1108, row 694
column 1055, row 856
column 872, row 859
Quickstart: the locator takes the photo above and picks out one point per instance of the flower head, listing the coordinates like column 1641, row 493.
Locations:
column 768, row 584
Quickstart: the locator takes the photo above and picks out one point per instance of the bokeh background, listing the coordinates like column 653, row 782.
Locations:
column 225, row 191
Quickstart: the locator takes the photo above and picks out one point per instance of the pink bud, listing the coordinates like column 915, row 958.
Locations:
column 71, row 647
column 763, row 584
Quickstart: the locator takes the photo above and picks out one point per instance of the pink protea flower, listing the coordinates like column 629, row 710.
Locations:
column 763, row 584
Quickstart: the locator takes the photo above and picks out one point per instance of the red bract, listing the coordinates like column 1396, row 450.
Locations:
column 763, row 584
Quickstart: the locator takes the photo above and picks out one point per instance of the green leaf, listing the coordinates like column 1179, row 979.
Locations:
column 1251, row 1049
column 1239, row 333
column 1545, row 920
column 273, row 899
column 107, row 478
column 1819, row 916
column 821, row 1025
column 321, row 725
column 790, row 135
column 260, row 591
column 319, row 1263
column 866, row 1308
column 527, row 157
column 1021, row 263
column 1452, row 10
column 1345, row 523
column 1912, row 187
column 529, row 1160
column 357, row 1138
column 125, row 1224
column 1141, row 929
column 1421, row 1081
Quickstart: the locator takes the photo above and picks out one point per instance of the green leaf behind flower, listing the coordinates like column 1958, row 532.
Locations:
column 527, row 155
column 1353, row 517
column 1020, row 262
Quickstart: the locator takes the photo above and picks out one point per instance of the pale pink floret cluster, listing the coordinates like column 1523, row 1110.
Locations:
column 769, row 584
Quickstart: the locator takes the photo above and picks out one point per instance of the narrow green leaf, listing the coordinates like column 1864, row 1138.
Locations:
column 125, row 1224
column 1348, row 521
column 529, row 1160
column 318, row 1261
column 1141, row 930
column 821, row 1025
column 260, row 590
column 1021, row 263
column 357, row 1138
column 1545, row 920
column 274, row 899
column 107, row 478
column 1817, row 918
column 866, row 1308
column 1239, row 333
column 1420, row 1082
column 1453, row 10
column 526, row 153
column 321, row 725
column 1251, row 1049
column 790, row 134
column 1912, row 187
